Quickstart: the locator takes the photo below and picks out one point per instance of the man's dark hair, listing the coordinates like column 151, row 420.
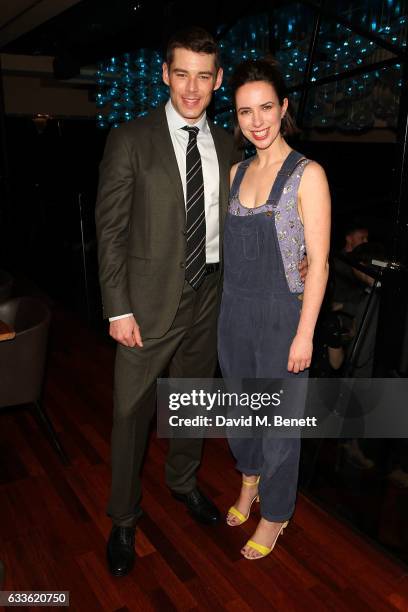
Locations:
column 194, row 39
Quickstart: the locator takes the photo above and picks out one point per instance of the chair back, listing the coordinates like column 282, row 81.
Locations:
column 6, row 285
column 22, row 359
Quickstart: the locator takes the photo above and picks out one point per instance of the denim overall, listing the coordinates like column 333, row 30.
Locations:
column 258, row 321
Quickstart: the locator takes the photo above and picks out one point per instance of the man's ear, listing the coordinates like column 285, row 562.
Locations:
column 218, row 79
column 165, row 74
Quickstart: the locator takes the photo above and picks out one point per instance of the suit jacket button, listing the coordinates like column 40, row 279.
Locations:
column 182, row 265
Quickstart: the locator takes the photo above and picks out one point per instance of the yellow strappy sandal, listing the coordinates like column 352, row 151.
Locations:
column 235, row 512
column 264, row 550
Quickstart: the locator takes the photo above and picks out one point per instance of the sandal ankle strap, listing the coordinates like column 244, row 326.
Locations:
column 248, row 483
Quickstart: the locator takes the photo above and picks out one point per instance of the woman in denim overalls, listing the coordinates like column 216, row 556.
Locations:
column 279, row 205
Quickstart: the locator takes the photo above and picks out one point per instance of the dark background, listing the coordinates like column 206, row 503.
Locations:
column 48, row 188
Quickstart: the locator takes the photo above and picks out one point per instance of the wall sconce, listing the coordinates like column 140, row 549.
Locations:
column 40, row 121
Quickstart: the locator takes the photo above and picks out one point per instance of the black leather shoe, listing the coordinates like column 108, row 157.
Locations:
column 121, row 550
column 199, row 506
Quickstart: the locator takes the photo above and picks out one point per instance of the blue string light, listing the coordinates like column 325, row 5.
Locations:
column 128, row 86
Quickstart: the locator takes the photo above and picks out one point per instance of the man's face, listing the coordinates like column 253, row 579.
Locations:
column 355, row 238
column 192, row 78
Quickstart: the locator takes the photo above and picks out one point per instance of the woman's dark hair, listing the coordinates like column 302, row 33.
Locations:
column 194, row 39
column 266, row 70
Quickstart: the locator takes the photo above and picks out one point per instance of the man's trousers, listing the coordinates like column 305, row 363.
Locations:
column 188, row 350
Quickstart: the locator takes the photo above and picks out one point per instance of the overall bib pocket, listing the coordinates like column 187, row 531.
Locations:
column 246, row 243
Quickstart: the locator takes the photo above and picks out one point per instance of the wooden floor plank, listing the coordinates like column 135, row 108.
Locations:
column 53, row 523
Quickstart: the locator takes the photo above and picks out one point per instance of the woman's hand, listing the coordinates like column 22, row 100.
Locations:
column 303, row 268
column 300, row 354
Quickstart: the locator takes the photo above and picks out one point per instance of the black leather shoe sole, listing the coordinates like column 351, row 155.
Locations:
column 201, row 516
column 120, row 551
column 122, row 571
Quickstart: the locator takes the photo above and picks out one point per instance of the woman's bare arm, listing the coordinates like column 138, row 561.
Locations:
column 314, row 204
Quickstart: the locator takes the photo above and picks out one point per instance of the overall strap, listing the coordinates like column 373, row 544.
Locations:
column 287, row 169
column 239, row 175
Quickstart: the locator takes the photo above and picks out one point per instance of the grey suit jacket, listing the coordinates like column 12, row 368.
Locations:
column 140, row 220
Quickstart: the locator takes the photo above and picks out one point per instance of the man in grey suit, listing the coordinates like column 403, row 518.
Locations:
column 162, row 198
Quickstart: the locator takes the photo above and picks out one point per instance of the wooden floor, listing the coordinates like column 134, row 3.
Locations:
column 53, row 526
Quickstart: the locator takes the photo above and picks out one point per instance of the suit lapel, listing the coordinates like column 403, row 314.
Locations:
column 224, row 169
column 162, row 144
column 223, row 155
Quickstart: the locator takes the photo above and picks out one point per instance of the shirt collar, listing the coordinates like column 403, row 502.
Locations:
column 176, row 121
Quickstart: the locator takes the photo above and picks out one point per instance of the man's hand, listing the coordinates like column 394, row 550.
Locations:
column 303, row 267
column 126, row 331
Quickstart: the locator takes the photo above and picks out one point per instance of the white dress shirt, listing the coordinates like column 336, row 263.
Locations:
column 211, row 176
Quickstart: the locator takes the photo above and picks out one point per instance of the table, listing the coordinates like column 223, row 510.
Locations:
column 6, row 332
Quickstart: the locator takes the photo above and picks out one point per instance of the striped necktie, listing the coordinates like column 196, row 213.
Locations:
column 195, row 212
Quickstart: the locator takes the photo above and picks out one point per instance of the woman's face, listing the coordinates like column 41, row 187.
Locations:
column 259, row 113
